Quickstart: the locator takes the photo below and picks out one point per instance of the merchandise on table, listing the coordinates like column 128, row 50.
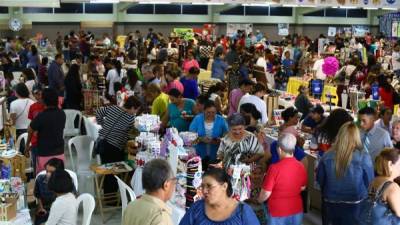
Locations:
column 148, row 123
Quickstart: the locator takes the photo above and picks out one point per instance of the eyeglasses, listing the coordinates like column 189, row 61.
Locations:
column 207, row 187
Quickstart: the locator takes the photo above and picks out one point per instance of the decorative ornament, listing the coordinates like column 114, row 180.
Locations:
column 330, row 66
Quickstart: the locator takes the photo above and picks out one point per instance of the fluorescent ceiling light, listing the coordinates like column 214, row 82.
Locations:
column 156, row 2
column 393, row 9
column 30, row 3
column 208, row 3
column 370, row 8
column 348, row 7
column 104, row 1
column 308, row 6
column 289, row 5
column 258, row 4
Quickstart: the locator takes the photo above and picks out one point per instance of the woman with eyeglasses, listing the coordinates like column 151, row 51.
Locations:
column 218, row 206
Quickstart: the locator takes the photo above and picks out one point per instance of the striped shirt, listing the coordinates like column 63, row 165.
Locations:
column 230, row 149
column 116, row 124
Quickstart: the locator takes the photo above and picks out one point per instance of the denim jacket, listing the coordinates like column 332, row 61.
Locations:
column 353, row 186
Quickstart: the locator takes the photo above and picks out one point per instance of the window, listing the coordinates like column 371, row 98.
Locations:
column 319, row 13
column 238, row 10
column 3, row 10
column 105, row 8
column 280, row 11
column 69, row 8
column 257, row 10
column 37, row 10
column 141, row 9
column 195, row 9
column 357, row 13
column 335, row 12
column 167, row 9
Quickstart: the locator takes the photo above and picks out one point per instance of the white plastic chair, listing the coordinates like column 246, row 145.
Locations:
column 83, row 147
column 24, row 137
column 88, row 207
column 122, row 190
column 71, row 173
column 70, row 130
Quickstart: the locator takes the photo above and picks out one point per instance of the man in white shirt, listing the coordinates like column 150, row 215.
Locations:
column 256, row 99
column 317, row 69
column 262, row 62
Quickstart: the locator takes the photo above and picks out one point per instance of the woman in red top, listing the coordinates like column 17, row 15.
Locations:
column 385, row 92
column 283, row 185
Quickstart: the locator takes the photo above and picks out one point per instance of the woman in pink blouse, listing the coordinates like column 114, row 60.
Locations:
column 189, row 63
column 172, row 77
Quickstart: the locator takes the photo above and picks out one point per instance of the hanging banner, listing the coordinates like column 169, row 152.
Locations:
column 232, row 28
column 185, row 33
column 283, row 29
column 360, row 30
column 331, row 31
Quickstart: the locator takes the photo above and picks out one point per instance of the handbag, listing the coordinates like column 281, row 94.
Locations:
column 98, row 147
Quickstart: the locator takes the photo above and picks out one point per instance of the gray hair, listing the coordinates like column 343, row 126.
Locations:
column 394, row 123
column 155, row 174
column 287, row 142
column 236, row 120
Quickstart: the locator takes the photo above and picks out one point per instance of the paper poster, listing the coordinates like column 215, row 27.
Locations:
column 232, row 28
column 283, row 29
column 360, row 30
column 185, row 33
column 331, row 31
column 395, row 25
column 121, row 40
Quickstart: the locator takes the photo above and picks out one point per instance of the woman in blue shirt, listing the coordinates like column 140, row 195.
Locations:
column 218, row 207
column 219, row 67
column 344, row 174
column 210, row 128
column 179, row 111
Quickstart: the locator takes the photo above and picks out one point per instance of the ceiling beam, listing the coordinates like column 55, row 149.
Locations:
column 123, row 6
column 220, row 8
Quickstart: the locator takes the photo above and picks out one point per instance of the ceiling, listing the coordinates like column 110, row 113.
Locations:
column 367, row 4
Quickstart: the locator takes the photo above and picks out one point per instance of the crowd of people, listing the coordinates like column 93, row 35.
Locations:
column 358, row 161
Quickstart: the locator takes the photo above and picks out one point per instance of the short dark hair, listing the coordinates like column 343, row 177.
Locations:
column 367, row 111
column 259, row 87
column 252, row 109
column 383, row 111
column 155, row 174
column 318, row 109
column 175, row 93
column 60, row 182
column 209, row 104
column 22, row 90
column 56, row 163
column 221, row 177
column 50, row 97
column 246, row 82
column 236, row 119
column 58, row 56
column 132, row 102
column 28, row 72
column 202, row 98
column 194, row 70
column 289, row 113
